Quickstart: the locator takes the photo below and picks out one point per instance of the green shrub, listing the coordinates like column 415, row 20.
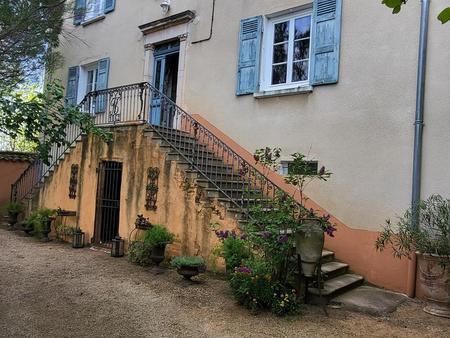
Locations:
column 180, row 261
column 37, row 220
column 253, row 287
column 139, row 253
column 14, row 208
column 431, row 236
column 158, row 236
column 233, row 249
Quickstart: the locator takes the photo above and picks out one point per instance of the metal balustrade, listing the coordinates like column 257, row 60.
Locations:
column 238, row 181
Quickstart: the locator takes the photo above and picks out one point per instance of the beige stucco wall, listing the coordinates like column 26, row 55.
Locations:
column 360, row 128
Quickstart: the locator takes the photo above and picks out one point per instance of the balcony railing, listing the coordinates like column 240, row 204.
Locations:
column 239, row 181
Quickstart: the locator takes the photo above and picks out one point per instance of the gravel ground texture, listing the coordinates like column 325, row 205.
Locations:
column 52, row 290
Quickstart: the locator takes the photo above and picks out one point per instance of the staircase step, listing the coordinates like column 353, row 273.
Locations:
column 335, row 287
column 327, row 256
column 333, row 269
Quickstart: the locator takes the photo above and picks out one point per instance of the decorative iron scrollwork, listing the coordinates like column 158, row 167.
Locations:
column 152, row 188
column 73, row 181
column 114, row 101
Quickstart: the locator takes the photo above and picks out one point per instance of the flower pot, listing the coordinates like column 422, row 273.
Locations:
column 46, row 230
column 434, row 279
column 157, row 254
column 189, row 271
column 309, row 245
column 12, row 220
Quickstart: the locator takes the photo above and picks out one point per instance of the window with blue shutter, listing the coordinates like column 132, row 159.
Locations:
column 102, row 83
column 79, row 9
column 109, row 5
column 249, row 55
column 326, row 42
column 72, row 86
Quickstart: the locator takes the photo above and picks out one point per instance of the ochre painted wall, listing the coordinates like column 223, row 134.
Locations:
column 177, row 208
column 9, row 173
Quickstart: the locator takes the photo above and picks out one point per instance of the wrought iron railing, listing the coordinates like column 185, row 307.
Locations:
column 237, row 180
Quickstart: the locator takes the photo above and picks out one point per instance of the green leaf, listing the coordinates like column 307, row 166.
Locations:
column 444, row 16
column 396, row 5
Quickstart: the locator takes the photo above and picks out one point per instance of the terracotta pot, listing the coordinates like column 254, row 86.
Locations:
column 434, row 279
column 157, row 254
column 309, row 245
column 189, row 271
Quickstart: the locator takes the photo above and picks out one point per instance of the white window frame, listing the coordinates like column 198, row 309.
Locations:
column 267, row 51
column 91, row 16
column 83, row 79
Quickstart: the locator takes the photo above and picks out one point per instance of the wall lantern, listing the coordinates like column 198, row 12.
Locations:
column 117, row 247
column 165, row 5
column 78, row 239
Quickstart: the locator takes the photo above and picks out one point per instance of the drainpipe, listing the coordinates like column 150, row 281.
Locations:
column 418, row 132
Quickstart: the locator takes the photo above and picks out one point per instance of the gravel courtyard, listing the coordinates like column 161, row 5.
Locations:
column 52, row 290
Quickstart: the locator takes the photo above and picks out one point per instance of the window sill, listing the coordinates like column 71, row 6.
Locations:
column 92, row 20
column 283, row 92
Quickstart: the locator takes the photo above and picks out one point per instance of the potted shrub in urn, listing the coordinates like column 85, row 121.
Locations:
column 13, row 209
column 189, row 266
column 430, row 238
column 309, row 229
column 45, row 219
column 157, row 238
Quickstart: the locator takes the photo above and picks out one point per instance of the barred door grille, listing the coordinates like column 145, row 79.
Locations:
column 108, row 202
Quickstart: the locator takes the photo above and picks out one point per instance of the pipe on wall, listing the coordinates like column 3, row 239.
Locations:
column 212, row 25
column 418, row 131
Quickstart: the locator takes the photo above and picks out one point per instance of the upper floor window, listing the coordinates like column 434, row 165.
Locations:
column 86, row 11
column 287, row 52
column 94, row 8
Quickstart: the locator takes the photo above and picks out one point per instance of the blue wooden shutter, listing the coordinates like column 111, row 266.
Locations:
column 249, row 55
column 109, row 5
column 326, row 34
column 72, row 86
column 78, row 12
column 102, row 83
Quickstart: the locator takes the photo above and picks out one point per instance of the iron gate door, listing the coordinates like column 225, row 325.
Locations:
column 108, row 202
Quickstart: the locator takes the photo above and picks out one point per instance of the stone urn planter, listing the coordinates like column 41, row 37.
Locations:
column 158, row 253
column 434, row 279
column 46, row 229
column 188, row 266
column 12, row 220
column 309, row 245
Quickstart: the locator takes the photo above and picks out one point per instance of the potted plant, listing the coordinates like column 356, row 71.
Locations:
column 13, row 209
column 430, row 238
column 30, row 223
column 188, row 266
column 45, row 219
column 309, row 229
column 157, row 238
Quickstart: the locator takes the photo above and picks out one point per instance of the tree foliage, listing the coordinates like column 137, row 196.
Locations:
column 396, row 5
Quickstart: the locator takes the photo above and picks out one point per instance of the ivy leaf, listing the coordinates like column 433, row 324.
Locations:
column 444, row 16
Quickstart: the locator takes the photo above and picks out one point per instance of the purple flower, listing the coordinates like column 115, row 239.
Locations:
column 243, row 269
column 243, row 237
column 322, row 171
column 265, row 234
column 283, row 239
column 330, row 230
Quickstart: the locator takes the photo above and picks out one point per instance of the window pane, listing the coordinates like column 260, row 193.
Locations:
column 301, row 50
column 300, row 71
column 281, row 32
column 302, row 27
column 279, row 73
column 280, row 53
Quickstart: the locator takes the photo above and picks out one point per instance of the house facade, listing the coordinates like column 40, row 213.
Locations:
column 335, row 79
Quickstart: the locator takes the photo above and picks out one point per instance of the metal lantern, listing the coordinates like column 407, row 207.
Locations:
column 78, row 239
column 117, row 247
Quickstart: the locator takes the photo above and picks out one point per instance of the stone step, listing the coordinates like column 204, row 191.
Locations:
column 333, row 269
column 327, row 256
column 334, row 287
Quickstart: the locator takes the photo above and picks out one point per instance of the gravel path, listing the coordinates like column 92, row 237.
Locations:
column 52, row 290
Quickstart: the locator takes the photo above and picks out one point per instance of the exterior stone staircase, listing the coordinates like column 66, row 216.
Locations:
column 222, row 174
column 336, row 275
